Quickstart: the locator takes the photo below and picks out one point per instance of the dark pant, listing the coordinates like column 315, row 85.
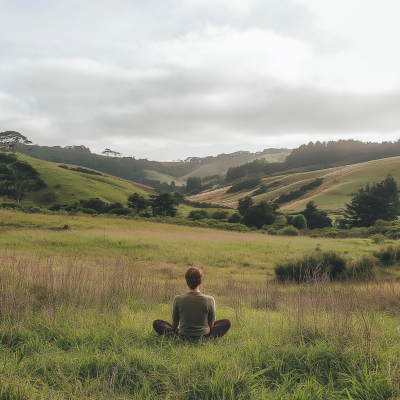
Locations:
column 219, row 329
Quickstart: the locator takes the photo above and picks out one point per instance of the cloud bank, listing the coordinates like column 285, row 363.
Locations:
column 173, row 78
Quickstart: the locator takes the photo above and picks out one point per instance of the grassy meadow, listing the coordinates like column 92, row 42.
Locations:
column 77, row 304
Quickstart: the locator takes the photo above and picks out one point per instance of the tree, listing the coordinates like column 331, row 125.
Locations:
column 11, row 140
column 316, row 219
column 261, row 214
column 380, row 201
column 193, row 183
column 163, row 204
column 109, row 152
column 244, row 204
column 18, row 177
column 137, row 202
column 299, row 222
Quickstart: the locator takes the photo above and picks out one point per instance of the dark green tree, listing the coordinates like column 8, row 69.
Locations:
column 193, row 183
column 380, row 201
column 299, row 222
column 137, row 202
column 261, row 214
column 244, row 204
column 316, row 219
column 18, row 177
column 163, row 204
column 11, row 140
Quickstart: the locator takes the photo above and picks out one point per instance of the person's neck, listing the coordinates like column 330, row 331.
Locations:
column 195, row 290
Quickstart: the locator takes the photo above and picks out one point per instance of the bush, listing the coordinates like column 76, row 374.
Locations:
column 299, row 222
column 393, row 232
column 288, row 231
column 89, row 211
column 220, row 214
column 387, row 256
column 378, row 238
column 11, row 205
column 235, row 218
column 363, row 268
column 269, row 229
column 312, row 266
column 196, row 215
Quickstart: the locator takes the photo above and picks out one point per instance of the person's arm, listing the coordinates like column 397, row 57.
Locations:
column 175, row 315
column 212, row 314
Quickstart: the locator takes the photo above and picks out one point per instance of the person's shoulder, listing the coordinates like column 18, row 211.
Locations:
column 179, row 296
column 208, row 297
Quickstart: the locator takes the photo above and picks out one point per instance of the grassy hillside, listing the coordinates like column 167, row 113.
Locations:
column 221, row 164
column 65, row 187
column 158, row 176
column 338, row 187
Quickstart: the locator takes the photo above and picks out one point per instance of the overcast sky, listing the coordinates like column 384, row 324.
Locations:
column 169, row 79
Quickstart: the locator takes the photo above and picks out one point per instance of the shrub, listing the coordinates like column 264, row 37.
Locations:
column 89, row 211
column 387, row 256
column 312, row 266
column 196, row 215
column 220, row 214
column 378, row 238
column 393, row 232
column 299, row 222
column 289, row 231
column 363, row 268
column 269, row 229
column 235, row 218
column 11, row 205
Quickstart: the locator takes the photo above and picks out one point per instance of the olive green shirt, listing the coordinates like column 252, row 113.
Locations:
column 193, row 310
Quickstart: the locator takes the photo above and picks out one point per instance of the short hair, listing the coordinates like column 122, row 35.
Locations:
column 193, row 277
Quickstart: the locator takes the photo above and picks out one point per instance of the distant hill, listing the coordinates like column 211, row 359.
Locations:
column 138, row 169
column 339, row 185
column 221, row 163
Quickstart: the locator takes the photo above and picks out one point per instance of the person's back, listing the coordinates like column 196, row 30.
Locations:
column 193, row 310
column 193, row 313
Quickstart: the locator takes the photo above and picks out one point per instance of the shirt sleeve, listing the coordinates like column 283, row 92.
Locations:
column 175, row 311
column 212, row 312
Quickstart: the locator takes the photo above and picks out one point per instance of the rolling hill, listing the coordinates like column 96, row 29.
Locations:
column 137, row 169
column 338, row 187
column 66, row 186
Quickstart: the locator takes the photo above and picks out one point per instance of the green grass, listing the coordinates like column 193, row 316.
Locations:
column 181, row 246
column 76, row 311
column 158, row 176
column 65, row 187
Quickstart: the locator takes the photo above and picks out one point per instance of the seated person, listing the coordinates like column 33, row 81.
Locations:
column 193, row 313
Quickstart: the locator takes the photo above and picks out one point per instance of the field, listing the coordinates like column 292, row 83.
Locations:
column 76, row 307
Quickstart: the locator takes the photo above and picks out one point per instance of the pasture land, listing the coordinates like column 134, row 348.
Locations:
column 76, row 307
